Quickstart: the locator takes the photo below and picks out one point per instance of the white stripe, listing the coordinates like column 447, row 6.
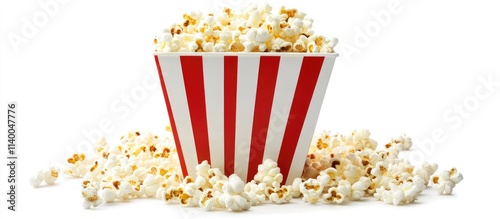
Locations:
column 288, row 75
column 309, row 126
column 213, row 74
column 174, row 82
column 248, row 71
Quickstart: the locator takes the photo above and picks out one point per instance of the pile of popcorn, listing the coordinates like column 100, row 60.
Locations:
column 339, row 169
column 252, row 29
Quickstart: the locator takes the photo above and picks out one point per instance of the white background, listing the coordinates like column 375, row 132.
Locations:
column 410, row 74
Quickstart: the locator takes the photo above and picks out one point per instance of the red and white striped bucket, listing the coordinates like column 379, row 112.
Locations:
column 237, row 109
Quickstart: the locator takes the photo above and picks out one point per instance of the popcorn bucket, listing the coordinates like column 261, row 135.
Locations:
column 237, row 109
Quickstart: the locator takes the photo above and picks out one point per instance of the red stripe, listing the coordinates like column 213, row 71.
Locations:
column 230, row 82
column 171, row 118
column 308, row 76
column 192, row 70
column 266, row 83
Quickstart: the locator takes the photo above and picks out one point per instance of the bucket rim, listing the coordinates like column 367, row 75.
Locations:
column 258, row 54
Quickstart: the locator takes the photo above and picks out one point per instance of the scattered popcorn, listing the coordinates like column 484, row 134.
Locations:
column 445, row 182
column 338, row 169
column 339, row 151
column 252, row 29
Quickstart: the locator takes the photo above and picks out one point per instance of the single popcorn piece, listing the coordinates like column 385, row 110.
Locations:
column 396, row 195
column 76, row 165
column 190, row 196
column 328, row 177
column 344, row 187
column 279, row 195
column 295, row 189
column 87, row 183
column 359, row 188
column 234, row 202
column 425, row 171
column 416, row 181
column 51, row 175
column 255, row 192
column 351, row 172
column 311, row 190
column 234, row 198
column 269, row 173
column 171, row 193
column 210, row 199
column 151, row 184
column 360, row 139
column 380, row 169
column 392, row 196
column 445, row 182
column 312, row 167
column 36, row 180
column 215, row 175
column 138, row 189
column 206, row 176
column 402, row 142
column 332, row 196
column 124, row 190
column 202, row 169
column 90, row 198
column 234, row 186
column 107, row 194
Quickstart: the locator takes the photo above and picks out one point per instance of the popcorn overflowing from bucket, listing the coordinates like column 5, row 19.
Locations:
column 251, row 29
column 242, row 124
column 339, row 169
